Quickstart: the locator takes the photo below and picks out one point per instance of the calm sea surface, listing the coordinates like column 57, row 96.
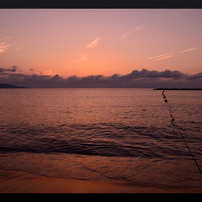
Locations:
column 102, row 134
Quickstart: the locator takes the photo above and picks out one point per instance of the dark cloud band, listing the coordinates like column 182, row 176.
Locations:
column 143, row 78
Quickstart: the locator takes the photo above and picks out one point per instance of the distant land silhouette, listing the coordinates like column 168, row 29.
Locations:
column 3, row 85
column 177, row 89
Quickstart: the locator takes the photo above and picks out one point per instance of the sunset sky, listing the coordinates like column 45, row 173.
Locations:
column 105, row 42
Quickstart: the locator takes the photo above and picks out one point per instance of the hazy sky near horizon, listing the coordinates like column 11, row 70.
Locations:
column 85, row 42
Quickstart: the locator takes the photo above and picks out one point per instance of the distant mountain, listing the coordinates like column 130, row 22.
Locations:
column 3, row 85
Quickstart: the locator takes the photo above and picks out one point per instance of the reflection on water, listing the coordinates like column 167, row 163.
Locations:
column 101, row 134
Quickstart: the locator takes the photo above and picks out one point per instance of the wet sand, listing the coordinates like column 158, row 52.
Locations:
column 21, row 182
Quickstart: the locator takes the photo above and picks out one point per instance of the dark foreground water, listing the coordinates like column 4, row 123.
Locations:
column 102, row 134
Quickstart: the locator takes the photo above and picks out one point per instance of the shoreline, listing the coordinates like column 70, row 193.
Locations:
column 22, row 182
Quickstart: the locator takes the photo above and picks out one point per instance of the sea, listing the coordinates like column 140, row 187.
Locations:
column 102, row 134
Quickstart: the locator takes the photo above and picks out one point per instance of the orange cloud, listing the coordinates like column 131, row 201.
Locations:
column 134, row 30
column 4, row 46
column 94, row 43
column 168, row 56
column 5, row 38
column 48, row 72
column 161, row 57
column 190, row 49
column 82, row 57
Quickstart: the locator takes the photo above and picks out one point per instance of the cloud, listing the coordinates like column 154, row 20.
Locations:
column 4, row 46
column 134, row 30
column 93, row 43
column 48, row 72
column 146, row 74
column 161, row 57
column 11, row 69
column 168, row 56
column 82, row 57
column 135, row 79
column 195, row 77
column 5, row 38
column 18, row 47
column 179, row 12
column 190, row 49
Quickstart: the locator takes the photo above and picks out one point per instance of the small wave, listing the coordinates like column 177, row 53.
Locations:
column 102, row 139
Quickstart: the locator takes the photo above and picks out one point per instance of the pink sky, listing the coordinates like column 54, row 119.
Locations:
column 100, row 41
